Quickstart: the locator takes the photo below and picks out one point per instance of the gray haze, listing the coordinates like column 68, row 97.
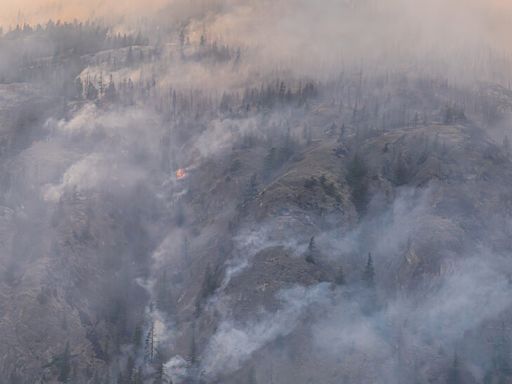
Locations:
column 235, row 191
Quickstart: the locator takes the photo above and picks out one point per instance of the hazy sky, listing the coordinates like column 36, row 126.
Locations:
column 13, row 11
column 40, row 10
column 327, row 29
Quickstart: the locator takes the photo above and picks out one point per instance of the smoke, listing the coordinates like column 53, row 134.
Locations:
column 233, row 344
column 99, row 184
column 40, row 11
column 114, row 150
column 322, row 36
column 332, row 35
column 408, row 331
column 468, row 293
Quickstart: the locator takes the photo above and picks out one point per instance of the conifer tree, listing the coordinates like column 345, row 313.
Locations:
column 64, row 363
column 92, row 92
column 270, row 162
column 208, row 287
column 150, row 344
column 356, row 179
column 110, row 91
column 312, row 251
column 137, row 337
column 340, row 277
column 252, row 188
column 160, row 373
column 369, row 273
column 454, row 376
column 79, row 87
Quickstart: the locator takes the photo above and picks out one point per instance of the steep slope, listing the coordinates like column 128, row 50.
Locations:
column 429, row 189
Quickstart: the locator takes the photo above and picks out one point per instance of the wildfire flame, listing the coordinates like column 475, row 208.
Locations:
column 181, row 174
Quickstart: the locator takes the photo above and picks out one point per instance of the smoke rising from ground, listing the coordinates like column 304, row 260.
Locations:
column 278, row 191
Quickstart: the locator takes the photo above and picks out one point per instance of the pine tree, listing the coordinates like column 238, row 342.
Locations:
column 356, row 179
column 149, row 347
column 129, row 57
column 252, row 188
column 137, row 337
column 164, row 298
column 238, row 56
column 454, row 376
column 107, row 350
column 208, row 287
column 107, row 378
column 252, row 376
column 502, row 355
column 369, row 296
column 92, row 92
column 193, row 348
column 121, row 379
column 14, row 378
column 369, row 273
column 130, row 370
column 64, row 363
column 185, row 251
column 160, row 374
column 138, row 377
column 101, row 86
column 110, row 92
column 182, row 40
column 311, row 253
column 506, row 145
column 340, row 277
column 401, row 171
column 488, row 377
column 79, row 88
column 270, row 162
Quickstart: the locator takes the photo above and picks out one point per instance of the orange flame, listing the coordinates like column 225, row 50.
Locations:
column 181, row 174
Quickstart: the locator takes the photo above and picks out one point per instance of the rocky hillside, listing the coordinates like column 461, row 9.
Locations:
column 160, row 225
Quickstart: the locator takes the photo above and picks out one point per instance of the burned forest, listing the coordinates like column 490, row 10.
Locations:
column 256, row 192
